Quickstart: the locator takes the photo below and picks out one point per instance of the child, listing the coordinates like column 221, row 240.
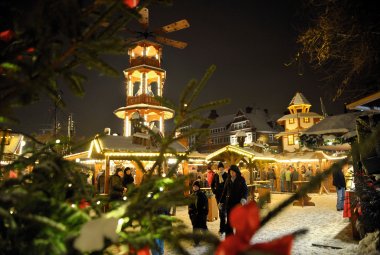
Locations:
column 198, row 210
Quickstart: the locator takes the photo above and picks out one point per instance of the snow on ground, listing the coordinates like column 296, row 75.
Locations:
column 326, row 226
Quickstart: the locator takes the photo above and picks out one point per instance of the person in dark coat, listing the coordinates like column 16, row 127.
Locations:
column 116, row 185
column 217, row 187
column 340, row 183
column 100, row 182
column 294, row 177
column 236, row 192
column 128, row 178
column 198, row 210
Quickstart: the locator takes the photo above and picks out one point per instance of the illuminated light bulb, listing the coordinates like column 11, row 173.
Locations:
column 69, row 185
column 57, row 141
column 161, row 188
column 125, row 198
column 73, row 205
column 77, row 160
column 163, row 175
column 11, row 211
column 98, row 202
column 149, row 195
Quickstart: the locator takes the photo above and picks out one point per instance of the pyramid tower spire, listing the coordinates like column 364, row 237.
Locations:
column 144, row 80
column 299, row 104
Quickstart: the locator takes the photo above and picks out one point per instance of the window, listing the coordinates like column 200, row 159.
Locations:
column 306, row 120
column 291, row 121
column 270, row 137
column 233, row 140
column 290, row 140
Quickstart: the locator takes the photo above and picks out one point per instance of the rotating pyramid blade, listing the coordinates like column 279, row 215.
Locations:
column 170, row 42
column 144, row 19
column 181, row 24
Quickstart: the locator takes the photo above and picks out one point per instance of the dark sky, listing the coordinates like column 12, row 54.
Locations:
column 248, row 41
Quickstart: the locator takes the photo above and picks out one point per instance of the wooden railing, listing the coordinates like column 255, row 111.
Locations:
column 145, row 61
column 142, row 99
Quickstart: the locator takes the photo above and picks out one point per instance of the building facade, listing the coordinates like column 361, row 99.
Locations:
column 298, row 120
column 253, row 123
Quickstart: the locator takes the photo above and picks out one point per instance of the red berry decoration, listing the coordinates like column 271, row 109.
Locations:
column 6, row 35
column 131, row 3
column 30, row 50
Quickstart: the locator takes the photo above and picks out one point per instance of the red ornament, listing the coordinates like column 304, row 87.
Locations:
column 6, row 35
column 30, row 50
column 143, row 251
column 83, row 204
column 131, row 3
column 246, row 221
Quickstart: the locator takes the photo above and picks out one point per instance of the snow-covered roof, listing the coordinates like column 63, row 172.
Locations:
column 299, row 99
column 222, row 121
column 307, row 156
column 337, row 124
column 259, row 120
column 243, row 151
column 114, row 144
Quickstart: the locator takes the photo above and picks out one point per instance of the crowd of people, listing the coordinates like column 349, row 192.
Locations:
column 118, row 183
column 228, row 186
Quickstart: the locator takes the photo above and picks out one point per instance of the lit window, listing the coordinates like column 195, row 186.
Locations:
column 290, row 140
column 291, row 121
column 306, row 120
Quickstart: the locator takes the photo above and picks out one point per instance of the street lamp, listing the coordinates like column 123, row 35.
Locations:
column 240, row 136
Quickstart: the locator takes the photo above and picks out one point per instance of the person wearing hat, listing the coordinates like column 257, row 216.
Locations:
column 198, row 210
column 217, row 186
column 235, row 192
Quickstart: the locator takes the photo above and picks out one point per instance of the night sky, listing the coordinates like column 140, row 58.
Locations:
column 248, row 41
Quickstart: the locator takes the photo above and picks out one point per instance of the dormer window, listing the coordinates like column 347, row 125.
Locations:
column 291, row 121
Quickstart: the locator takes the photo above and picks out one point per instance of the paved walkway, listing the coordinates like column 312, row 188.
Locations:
column 326, row 227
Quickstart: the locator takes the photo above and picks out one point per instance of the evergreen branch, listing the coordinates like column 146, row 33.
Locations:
column 43, row 220
column 201, row 84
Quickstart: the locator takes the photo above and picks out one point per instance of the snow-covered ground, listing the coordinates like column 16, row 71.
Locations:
column 326, row 226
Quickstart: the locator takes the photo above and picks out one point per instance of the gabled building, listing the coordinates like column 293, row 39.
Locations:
column 298, row 120
column 255, row 124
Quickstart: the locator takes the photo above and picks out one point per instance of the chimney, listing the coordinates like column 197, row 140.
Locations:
column 213, row 114
column 248, row 109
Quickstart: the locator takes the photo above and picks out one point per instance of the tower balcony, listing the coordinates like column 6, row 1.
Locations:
column 142, row 99
column 150, row 61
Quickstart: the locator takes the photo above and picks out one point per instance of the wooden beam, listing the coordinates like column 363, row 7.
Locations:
column 107, row 175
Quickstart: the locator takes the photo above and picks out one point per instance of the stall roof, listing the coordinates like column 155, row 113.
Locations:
column 337, row 124
column 309, row 156
column 242, row 151
column 368, row 103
